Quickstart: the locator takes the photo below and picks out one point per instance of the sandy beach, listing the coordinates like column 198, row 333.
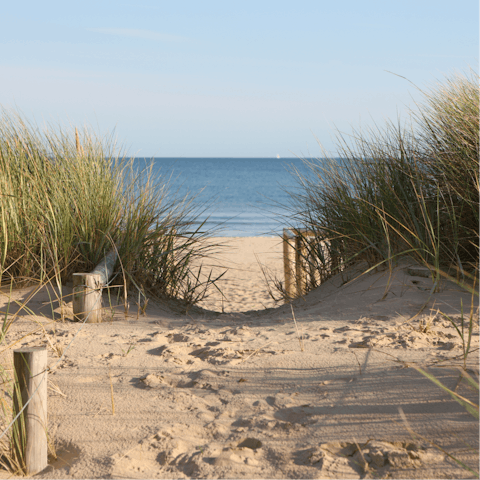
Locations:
column 236, row 389
column 243, row 286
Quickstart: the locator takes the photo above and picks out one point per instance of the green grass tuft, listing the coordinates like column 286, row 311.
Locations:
column 401, row 189
column 67, row 198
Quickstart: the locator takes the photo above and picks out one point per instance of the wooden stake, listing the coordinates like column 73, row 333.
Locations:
column 299, row 264
column 298, row 237
column 30, row 429
column 87, row 297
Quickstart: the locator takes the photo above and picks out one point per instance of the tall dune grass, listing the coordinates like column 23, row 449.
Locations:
column 401, row 189
column 65, row 201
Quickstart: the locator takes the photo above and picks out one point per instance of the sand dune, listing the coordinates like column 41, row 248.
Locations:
column 247, row 394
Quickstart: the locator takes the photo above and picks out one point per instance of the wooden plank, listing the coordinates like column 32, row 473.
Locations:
column 106, row 266
column 30, row 429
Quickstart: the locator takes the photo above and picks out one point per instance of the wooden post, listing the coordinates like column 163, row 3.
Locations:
column 294, row 239
column 87, row 297
column 87, row 289
column 286, row 264
column 30, row 429
column 299, row 263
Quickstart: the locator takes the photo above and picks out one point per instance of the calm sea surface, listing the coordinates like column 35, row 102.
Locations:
column 246, row 193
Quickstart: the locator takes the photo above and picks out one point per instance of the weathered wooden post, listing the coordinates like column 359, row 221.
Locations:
column 30, row 429
column 295, row 239
column 87, row 290
column 87, row 297
column 300, row 271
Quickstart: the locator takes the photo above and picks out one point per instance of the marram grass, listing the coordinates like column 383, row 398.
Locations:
column 401, row 189
column 66, row 199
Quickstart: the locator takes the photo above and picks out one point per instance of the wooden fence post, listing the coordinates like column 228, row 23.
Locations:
column 295, row 239
column 87, row 289
column 87, row 297
column 30, row 429
column 300, row 271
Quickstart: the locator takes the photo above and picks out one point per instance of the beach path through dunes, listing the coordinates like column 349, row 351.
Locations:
column 243, row 287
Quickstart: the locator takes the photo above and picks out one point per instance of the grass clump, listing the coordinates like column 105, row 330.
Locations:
column 67, row 199
column 401, row 189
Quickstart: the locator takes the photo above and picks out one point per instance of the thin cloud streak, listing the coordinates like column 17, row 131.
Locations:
column 137, row 33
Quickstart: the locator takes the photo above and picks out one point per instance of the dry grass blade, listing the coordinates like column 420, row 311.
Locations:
column 299, row 336
column 471, row 407
column 256, row 351
column 55, row 388
column 415, row 435
column 270, row 281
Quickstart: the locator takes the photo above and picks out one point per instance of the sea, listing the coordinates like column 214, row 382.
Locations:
column 236, row 197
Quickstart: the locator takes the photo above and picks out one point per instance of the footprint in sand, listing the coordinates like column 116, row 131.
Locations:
column 183, row 450
column 246, row 453
column 153, row 380
column 177, row 448
column 234, row 333
column 349, row 460
column 205, row 379
column 214, row 353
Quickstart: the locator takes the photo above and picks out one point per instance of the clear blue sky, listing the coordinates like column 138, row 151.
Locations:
column 228, row 78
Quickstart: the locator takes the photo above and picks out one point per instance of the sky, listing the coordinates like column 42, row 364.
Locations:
column 229, row 78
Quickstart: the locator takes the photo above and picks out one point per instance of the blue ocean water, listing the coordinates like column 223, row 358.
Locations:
column 247, row 193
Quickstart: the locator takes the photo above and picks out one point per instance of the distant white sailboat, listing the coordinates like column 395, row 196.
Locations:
column 278, row 156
